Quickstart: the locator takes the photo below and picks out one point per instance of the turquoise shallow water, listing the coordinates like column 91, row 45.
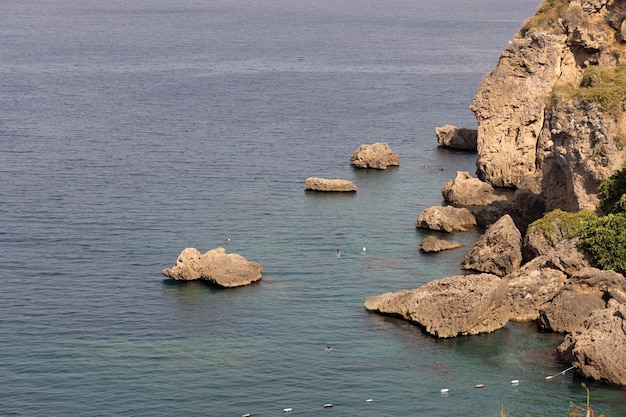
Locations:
column 131, row 131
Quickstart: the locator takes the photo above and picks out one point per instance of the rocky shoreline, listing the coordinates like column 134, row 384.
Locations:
column 537, row 134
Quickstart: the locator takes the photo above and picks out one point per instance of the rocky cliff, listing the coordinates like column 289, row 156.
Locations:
column 551, row 113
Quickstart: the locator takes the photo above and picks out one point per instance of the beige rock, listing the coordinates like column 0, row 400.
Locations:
column 599, row 351
column 498, row 251
column 378, row 155
column 456, row 137
column 446, row 219
column 465, row 190
column 334, row 185
column 449, row 307
column 214, row 266
column 563, row 147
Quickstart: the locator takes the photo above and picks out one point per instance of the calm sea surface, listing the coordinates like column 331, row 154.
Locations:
column 131, row 130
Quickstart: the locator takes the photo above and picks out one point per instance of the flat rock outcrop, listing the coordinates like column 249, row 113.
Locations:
column 464, row 190
column 457, row 137
column 434, row 244
column 446, row 219
column 567, row 145
column 216, row 267
column 599, row 351
column 498, row 251
column 328, row 185
column 448, row 307
column 378, row 156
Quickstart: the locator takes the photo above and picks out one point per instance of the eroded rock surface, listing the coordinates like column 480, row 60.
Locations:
column 378, row 155
column 448, row 307
column 446, row 219
column 214, row 266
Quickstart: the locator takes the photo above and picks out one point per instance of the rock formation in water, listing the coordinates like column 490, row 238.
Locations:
column 552, row 125
column 550, row 115
column 378, row 156
column 327, row 185
column 214, row 266
column 446, row 219
column 457, row 137
column 465, row 190
column 498, row 251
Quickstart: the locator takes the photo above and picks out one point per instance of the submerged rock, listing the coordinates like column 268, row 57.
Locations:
column 214, row 266
column 434, row 244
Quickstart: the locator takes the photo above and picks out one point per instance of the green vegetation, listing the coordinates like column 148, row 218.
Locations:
column 613, row 193
column 605, row 237
column 546, row 17
column 558, row 224
column 604, row 86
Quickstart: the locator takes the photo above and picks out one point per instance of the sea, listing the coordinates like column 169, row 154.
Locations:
column 132, row 130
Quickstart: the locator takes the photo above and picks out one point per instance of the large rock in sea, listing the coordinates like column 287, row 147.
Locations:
column 446, row 219
column 216, row 267
column 564, row 147
column 588, row 290
column 449, row 307
column 457, row 137
column 498, row 251
column 328, row 185
column 465, row 190
column 378, row 155
column 598, row 351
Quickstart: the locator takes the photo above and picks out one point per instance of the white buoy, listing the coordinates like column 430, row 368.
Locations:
column 479, row 386
column 445, row 390
column 515, row 382
column 287, row 410
column 246, row 415
column 369, row 400
column 328, row 405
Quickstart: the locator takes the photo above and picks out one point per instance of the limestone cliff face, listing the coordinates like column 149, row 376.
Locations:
column 534, row 131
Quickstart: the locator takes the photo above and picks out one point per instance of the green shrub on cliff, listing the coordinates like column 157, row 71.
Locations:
column 546, row 17
column 605, row 239
column 558, row 225
column 604, row 86
column 613, row 193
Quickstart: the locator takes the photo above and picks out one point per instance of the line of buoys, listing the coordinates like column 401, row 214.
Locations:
column 560, row 373
column 447, row 390
column 443, row 391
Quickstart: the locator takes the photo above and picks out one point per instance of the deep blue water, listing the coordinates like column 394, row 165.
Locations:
column 131, row 130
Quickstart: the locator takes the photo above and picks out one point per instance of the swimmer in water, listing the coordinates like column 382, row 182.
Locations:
column 328, row 348
column 338, row 253
column 363, row 250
